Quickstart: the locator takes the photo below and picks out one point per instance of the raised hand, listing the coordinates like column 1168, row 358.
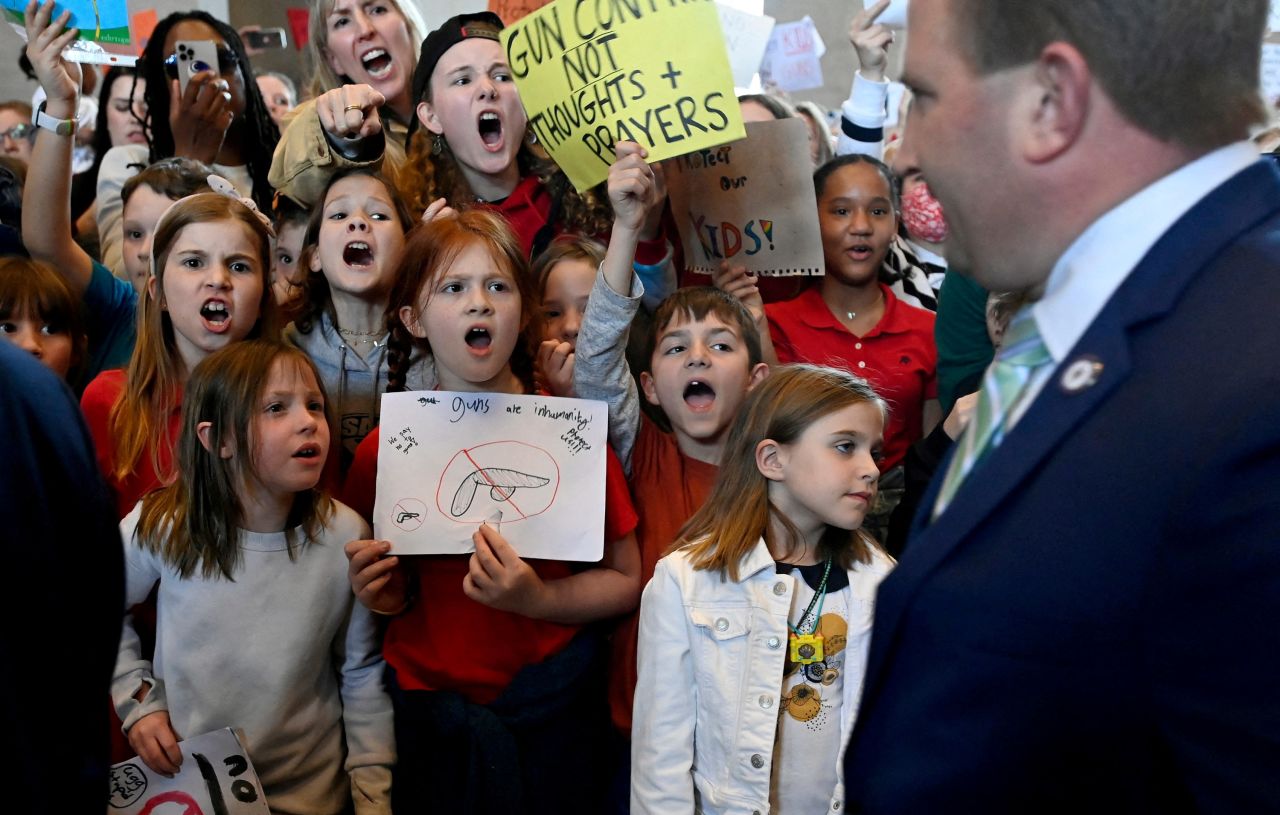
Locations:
column 744, row 285
column 632, row 187
column 871, row 40
column 46, row 39
column 200, row 117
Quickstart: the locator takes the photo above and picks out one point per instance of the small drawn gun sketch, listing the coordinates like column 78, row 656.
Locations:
column 502, row 485
column 405, row 516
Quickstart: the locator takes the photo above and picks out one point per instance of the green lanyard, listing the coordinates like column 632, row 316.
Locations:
column 819, row 598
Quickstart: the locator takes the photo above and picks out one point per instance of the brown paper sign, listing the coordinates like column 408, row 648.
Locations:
column 750, row 202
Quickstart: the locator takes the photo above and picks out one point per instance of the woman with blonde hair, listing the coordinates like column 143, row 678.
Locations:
column 363, row 54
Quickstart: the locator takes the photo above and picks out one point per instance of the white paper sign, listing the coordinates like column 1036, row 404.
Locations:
column 531, row 466
column 1270, row 73
column 895, row 16
column 216, row 778
column 791, row 60
column 1273, row 19
column 745, row 38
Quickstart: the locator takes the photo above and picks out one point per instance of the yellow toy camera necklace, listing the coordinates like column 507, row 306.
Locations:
column 806, row 647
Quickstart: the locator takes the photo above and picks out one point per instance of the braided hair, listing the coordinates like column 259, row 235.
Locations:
column 259, row 133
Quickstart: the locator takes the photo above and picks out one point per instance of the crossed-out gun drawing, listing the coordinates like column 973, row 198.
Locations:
column 502, row 484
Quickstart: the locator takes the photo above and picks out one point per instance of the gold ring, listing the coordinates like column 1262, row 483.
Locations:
column 352, row 107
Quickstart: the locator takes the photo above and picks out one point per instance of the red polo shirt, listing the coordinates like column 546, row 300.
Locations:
column 898, row 356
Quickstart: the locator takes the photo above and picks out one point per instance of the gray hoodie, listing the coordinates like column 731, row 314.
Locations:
column 355, row 385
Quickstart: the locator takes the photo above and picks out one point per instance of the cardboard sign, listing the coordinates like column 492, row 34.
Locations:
column 104, row 29
column 792, row 60
column 532, row 467
column 591, row 74
column 750, row 202
column 215, row 778
column 746, row 36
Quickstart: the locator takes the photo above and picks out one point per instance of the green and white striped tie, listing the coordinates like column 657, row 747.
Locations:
column 1004, row 386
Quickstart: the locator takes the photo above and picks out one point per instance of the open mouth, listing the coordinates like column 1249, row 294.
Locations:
column 309, row 451
column 377, row 62
column 478, row 339
column 357, row 253
column 860, row 251
column 699, row 395
column 490, row 129
column 215, row 315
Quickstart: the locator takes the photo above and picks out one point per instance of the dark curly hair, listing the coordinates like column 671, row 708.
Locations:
column 426, row 176
column 258, row 134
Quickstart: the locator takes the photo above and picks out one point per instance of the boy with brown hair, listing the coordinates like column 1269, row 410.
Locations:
column 704, row 357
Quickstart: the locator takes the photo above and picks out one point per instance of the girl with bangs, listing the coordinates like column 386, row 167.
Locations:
column 209, row 287
column 490, row 654
column 297, row 670
column 353, row 244
column 40, row 315
column 754, row 630
column 363, row 54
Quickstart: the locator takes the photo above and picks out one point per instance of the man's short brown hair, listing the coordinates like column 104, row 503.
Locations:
column 1185, row 71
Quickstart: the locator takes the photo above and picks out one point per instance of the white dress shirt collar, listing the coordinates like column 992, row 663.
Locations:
column 1092, row 268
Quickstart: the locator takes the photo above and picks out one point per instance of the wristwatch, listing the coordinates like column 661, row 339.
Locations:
column 63, row 127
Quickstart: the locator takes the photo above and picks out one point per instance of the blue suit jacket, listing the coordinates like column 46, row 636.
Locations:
column 1093, row 626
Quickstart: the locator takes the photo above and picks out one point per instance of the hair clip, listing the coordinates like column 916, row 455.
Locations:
column 225, row 188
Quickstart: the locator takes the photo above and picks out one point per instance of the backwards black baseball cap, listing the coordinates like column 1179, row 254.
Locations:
column 482, row 24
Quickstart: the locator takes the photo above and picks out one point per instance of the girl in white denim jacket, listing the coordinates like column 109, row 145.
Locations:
column 754, row 630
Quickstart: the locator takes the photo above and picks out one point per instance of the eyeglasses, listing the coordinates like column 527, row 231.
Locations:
column 227, row 62
column 18, row 132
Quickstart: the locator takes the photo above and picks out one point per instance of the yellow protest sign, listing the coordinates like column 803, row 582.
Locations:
column 592, row 72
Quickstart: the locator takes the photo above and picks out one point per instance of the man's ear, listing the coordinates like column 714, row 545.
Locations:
column 427, row 118
column 649, row 387
column 771, row 459
column 409, row 316
column 1054, row 104
column 759, row 373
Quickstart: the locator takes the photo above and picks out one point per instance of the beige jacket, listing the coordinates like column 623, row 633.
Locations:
column 304, row 160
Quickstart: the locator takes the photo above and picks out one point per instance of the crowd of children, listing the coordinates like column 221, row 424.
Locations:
column 231, row 367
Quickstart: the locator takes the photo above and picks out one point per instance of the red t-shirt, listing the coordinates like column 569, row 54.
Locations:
column 529, row 205
column 668, row 487
column 97, row 401
column 898, row 356
column 447, row 641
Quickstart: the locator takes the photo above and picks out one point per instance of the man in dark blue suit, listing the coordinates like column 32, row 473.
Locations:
column 1087, row 617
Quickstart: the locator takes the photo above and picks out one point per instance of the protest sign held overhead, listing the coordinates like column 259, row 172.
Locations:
column 650, row 71
column 750, row 203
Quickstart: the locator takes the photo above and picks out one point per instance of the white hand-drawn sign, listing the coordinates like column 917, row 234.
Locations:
column 215, row 778
column 531, row 466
